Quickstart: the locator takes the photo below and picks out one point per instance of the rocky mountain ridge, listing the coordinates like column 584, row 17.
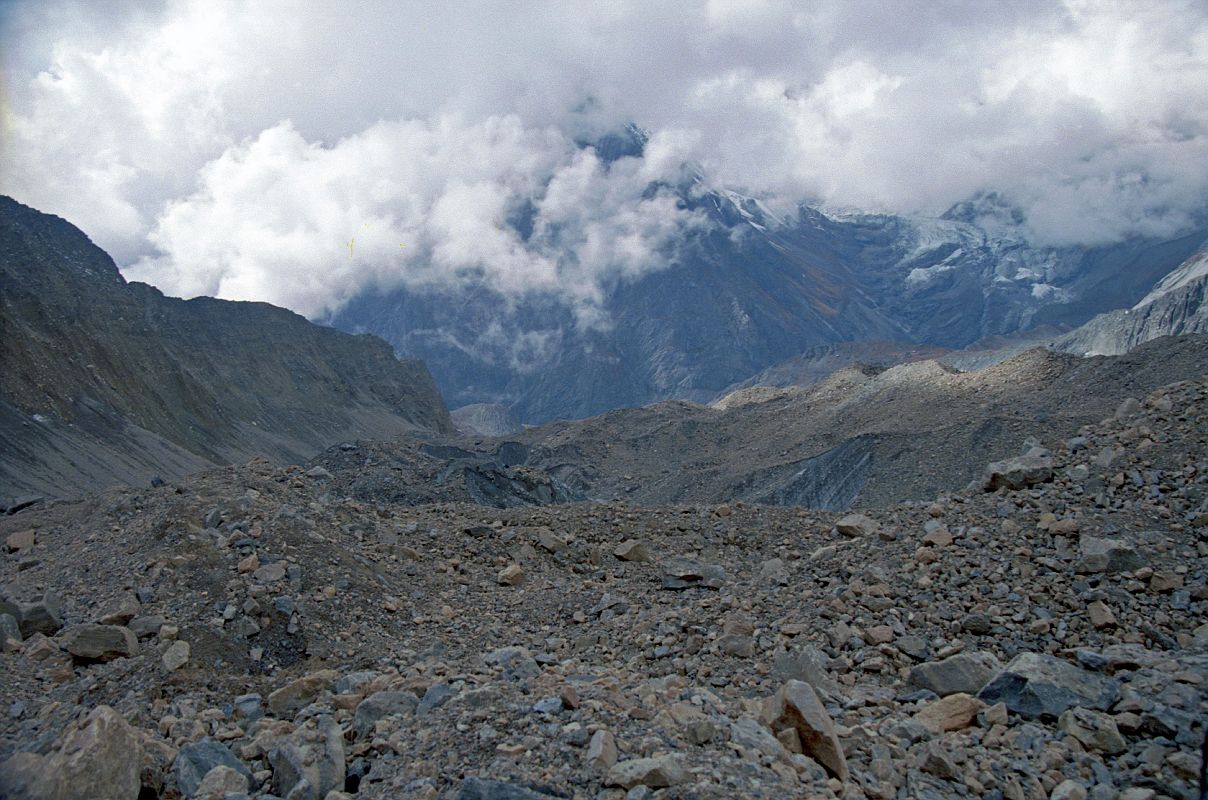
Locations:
column 103, row 381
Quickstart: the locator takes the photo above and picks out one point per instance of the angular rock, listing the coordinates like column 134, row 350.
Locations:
column 1018, row 473
column 748, row 733
column 657, row 773
column 511, row 575
column 99, row 761
column 197, row 759
column 270, row 573
column 380, row 705
column 1036, row 685
column 120, row 611
column 296, row 695
column 684, row 573
column 42, row 616
column 601, row 751
column 857, row 525
column 219, row 782
column 147, row 626
column 90, row 642
column 10, row 629
column 1097, row 731
column 309, row 762
column 952, row 713
column 478, row 789
column 176, row 656
column 632, row 550
column 796, row 706
column 1107, row 555
column 19, row 542
column 962, row 673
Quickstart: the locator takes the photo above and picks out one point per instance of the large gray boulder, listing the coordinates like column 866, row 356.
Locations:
column 962, row 673
column 1036, row 685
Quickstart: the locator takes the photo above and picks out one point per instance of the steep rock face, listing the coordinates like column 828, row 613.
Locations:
column 1175, row 306
column 485, row 419
column 103, row 381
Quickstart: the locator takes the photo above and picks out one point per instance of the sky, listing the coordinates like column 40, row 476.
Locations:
column 302, row 152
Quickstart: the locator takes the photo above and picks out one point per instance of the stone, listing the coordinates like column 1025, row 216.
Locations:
column 857, row 525
column 879, row 634
column 1097, row 731
column 773, row 573
column 296, row 695
column 91, row 642
column 249, row 564
column 1035, row 685
column 632, row 550
column 435, row 696
column 803, row 662
column 1106, row 555
column 797, row 706
column 601, row 751
column 698, row 729
column 551, row 542
column 963, row 673
column 380, row 705
column 1165, row 582
column 19, row 542
column 511, row 575
column 737, row 645
column 146, row 626
column 176, row 656
column 940, row 537
column 478, row 789
column 219, row 782
column 1068, row 790
column 1100, row 615
column 685, row 573
column 309, row 763
column 270, row 573
column 749, row 733
column 934, row 760
column 1018, row 473
column 196, row 760
column 120, row 611
column 100, row 760
column 10, row 629
column 657, row 773
column 42, row 616
column 952, row 713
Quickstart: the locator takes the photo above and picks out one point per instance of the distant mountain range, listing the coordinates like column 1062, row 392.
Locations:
column 105, row 382
column 754, row 289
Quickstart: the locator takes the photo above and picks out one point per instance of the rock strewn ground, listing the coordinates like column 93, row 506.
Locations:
column 1040, row 642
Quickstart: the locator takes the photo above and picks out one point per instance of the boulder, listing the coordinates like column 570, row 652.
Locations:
column 91, row 642
column 684, row 573
column 632, row 550
column 963, row 672
column 797, row 707
column 100, row 761
column 1018, row 473
column 380, row 705
column 1035, row 685
column 197, row 759
column 656, row 773
column 309, row 762
column 952, row 713
column 1106, row 555
column 296, row 695
column 1095, row 730
column 857, row 525
column 42, row 616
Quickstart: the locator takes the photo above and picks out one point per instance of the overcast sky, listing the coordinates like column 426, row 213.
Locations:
column 297, row 152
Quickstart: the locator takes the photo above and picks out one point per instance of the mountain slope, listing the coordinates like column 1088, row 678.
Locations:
column 1176, row 305
column 101, row 380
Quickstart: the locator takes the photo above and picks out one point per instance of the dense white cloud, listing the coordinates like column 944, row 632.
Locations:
column 216, row 146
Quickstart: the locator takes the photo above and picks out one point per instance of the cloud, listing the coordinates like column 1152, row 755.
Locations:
column 218, row 146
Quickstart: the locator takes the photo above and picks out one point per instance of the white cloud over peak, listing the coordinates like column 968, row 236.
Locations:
column 238, row 148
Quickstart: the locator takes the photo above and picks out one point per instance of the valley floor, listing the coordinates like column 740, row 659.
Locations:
column 250, row 632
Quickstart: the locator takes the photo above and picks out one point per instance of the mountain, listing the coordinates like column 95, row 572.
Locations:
column 752, row 289
column 104, row 381
column 1176, row 305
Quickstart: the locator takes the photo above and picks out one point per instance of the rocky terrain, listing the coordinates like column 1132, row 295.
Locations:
column 863, row 437
column 103, row 381
column 255, row 632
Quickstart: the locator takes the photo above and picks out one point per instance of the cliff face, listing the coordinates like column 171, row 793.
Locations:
column 102, row 381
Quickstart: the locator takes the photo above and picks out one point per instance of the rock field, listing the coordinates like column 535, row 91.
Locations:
column 251, row 632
